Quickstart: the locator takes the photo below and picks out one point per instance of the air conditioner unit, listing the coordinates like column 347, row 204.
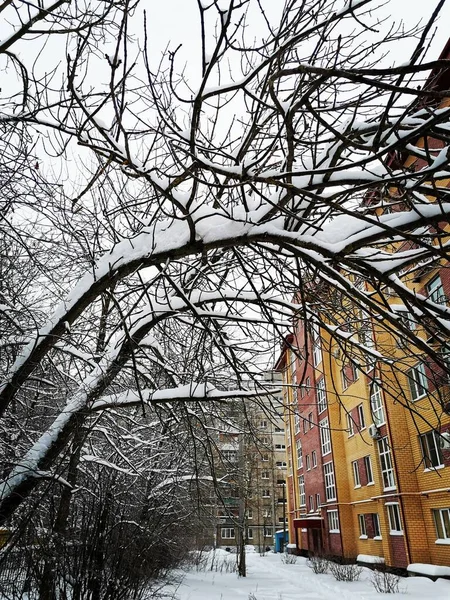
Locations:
column 444, row 440
column 373, row 431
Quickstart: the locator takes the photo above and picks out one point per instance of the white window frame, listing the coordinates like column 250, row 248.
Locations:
column 376, row 526
column 317, row 345
column 356, row 477
column 325, row 436
column 435, row 291
column 317, row 501
column 417, row 382
column 308, row 462
column 268, row 532
column 321, row 396
column 350, row 425
column 310, row 420
column 369, row 470
column 429, row 444
column 361, row 416
column 249, row 513
column 297, row 421
column 330, row 482
column 311, row 503
column 442, row 525
column 266, row 493
column 299, row 454
column 333, row 521
column 227, row 533
column 249, row 533
column 362, row 527
column 386, row 464
column 265, row 475
column 376, row 405
column 314, row 459
column 394, row 517
column 302, row 491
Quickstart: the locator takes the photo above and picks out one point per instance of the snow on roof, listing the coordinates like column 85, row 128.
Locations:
column 370, row 559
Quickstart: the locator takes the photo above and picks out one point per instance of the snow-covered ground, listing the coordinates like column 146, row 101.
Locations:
column 269, row 578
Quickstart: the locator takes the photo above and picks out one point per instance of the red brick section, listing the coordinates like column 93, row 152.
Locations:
column 398, row 551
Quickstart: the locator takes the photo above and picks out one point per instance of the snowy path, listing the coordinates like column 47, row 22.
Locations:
column 269, row 579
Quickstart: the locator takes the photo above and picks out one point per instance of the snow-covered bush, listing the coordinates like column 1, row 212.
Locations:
column 384, row 581
column 288, row 559
column 345, row 572
column 318, row 564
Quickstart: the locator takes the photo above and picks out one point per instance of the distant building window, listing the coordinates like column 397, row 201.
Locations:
column 266, row 493
column 330, row 485
column 369, row 470
column 417, row 380
column 361, row 417
column 263, row 424
column 267, row 513
column 249, row 533
column 333, row 521
column 296, row 421
column 317, row 347
column 265, row 457
column 362, row 526
column 325, row 439
column 249, row 513
column 280, row 447
column 314, row 458
column 387, row 469
column 431, row 452
column 299, row 454
column 301, row 488
column 265, row 475
column 376, row 405
column 230, row 455
column 442, row 523
column 395, row 523
column 321, row 396
column 435, row 291
column 227, row 533
column 356, row 478
column 268, row 532
column 310, row 419
column 281, row 464
column 308, row 463
column 317, row 501
column 311, row 503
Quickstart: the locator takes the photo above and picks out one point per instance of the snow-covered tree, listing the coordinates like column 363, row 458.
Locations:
column 188, row 204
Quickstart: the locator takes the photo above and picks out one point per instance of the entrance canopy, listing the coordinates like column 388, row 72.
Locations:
column 308, row 523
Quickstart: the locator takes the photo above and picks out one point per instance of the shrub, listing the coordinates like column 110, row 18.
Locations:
column 318, row 564
column 288, row 559
column 345, row 572
column 384, row 581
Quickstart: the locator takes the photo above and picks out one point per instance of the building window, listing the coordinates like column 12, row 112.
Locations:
column 265, row 475
column 349, row 375
column 308, row 463
column 442, row 523
column 299, row 454
column 280, row 447
column 265, row 457
column 317, row 501
column 435, row 291
column 362, row 526
column 311, row 503
column 301, row 487
column 325, row 439
column 310, row 419
column 330, row 487
column 305, row 425
column 266, row 493
column 350, row 429
column 321, row 396
column 376, row 525
column 395, row 523
column 356, row 478
column 317, row 348
column 227, row 533
column 230, row 456
column 376, row 405
column 314, row 458
column 296, row 422
column 268, row 532
column 263, row 424
column 279, row 430
column 387, row 470
column 333, row 521
column 431, row 452
column 267, row 513
column 249, row 533
column 249, row 513
column 369, row 470
column 361, row 417
column 417, row 381
column 281, row 464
